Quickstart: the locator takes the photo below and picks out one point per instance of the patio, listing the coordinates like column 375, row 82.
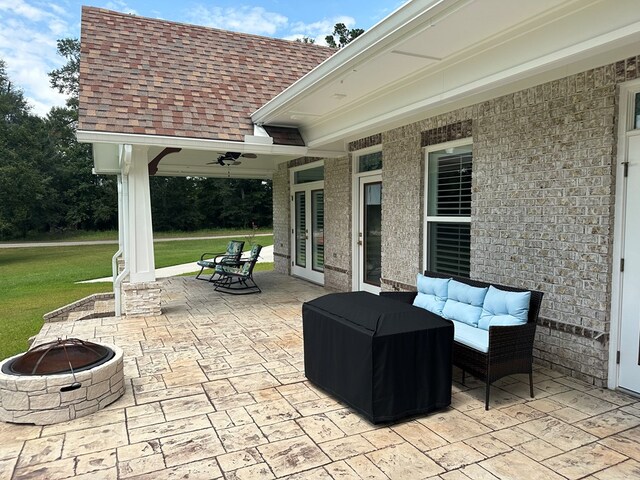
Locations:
column 216, row 388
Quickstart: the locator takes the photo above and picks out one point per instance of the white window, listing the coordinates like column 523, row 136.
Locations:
column 448, row 207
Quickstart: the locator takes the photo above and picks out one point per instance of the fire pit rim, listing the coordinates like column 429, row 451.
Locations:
column 6, row 366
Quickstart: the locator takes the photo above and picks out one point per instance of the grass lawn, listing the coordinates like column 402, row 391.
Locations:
column 77, row 236
column 35, row 281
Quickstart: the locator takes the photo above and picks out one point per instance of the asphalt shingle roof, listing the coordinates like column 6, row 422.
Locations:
column 154, row 77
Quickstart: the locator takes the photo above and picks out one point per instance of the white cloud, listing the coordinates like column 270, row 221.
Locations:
column 28, row 37
column 320, row 29
column 240, row 19
column 120, row 6
column 23, row 9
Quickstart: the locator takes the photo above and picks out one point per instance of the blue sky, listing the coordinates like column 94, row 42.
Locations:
column 29, row 28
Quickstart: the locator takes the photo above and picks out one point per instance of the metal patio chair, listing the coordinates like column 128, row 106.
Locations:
column 237, row 279
column 212, row 260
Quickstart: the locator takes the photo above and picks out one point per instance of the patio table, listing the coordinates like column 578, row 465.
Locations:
column 385, row 359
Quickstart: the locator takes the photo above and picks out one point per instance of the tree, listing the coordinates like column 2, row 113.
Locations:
column 305, row 40
column 23, row 152
column 343, row 35
column 85, row 200
column 66, row 79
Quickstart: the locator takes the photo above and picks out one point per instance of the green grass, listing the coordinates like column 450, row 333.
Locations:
column 35, row 281
column 78, row 236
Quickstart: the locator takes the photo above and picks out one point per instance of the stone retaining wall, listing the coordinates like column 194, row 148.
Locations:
column 85, row 304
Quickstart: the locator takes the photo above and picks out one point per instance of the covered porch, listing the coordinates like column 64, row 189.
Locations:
column 215, row 388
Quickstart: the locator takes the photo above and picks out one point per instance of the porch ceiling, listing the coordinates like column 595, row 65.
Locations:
column 197, row 158
column 433, row 56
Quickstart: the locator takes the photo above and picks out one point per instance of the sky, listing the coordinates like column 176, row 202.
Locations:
column 29, row 28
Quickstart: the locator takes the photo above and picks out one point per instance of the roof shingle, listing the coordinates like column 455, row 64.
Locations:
column 153, row 77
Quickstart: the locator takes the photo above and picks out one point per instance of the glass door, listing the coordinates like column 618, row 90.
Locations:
column 307, row 232
column 370, row 233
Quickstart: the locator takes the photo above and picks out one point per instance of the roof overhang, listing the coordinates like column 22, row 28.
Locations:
column 197, row 157
column 433, row 56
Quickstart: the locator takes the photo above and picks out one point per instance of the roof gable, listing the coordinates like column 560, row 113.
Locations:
column 154, row 77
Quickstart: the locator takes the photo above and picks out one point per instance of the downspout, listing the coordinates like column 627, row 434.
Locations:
column 123, row 226
column 114, row 259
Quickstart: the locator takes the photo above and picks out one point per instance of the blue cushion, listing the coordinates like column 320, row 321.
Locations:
column 464, row 303
column 432, row 293
column 504, row 308
column 473, row 337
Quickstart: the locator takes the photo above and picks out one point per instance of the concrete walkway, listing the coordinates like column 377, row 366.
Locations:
column 266, row 256
column 113, row 242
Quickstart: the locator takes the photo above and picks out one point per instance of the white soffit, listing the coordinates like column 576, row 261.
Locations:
column 454, row 49
column 197, row 157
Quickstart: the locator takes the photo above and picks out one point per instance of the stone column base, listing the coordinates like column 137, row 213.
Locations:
column 141, row 299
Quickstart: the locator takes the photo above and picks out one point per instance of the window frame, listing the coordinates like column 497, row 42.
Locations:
column 428, row 219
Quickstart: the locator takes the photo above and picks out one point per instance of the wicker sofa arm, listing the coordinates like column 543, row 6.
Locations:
column 404, row 297
column 511, row 342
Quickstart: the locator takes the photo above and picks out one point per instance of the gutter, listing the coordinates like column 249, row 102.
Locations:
column 123, row 227
column 253, row 146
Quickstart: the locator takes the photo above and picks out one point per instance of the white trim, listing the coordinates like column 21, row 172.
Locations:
column 500, row 79
column 431, row 218
column 355, row 208
column 625, row 119
column 379, row 36
column 86, row 136
column 356, row 163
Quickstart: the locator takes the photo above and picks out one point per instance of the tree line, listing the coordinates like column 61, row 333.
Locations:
column 47, row 184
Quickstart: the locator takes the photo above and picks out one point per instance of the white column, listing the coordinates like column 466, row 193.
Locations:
column 140, row 231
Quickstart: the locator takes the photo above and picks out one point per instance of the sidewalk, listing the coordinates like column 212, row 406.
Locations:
column 266, row 256
column 111, row 242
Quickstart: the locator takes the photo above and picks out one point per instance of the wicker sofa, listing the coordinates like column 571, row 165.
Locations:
column 510, row 348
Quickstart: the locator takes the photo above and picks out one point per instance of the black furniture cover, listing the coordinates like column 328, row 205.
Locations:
column 385, row 359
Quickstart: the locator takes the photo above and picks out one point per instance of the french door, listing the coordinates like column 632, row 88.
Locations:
column 307, row 232
column 369, row 237
column 629, row 372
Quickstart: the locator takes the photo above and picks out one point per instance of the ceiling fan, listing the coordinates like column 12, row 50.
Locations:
column 231, row 158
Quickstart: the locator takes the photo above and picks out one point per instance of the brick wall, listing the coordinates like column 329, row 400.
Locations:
column 338, row 223
column 281, row 218
column 543, row 202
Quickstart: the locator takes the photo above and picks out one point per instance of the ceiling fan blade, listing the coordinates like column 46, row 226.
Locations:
column 249, row 155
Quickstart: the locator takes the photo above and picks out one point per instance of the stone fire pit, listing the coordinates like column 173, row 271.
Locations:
column 44, row 399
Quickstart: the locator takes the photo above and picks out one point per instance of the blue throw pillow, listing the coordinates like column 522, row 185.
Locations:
column 504, row 308
column 432, row 293
column 464, row 303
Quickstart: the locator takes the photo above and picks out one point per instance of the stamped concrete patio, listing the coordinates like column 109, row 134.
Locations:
column 216, row 388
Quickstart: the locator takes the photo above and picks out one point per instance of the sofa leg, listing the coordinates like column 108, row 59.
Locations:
column 487, row 390
column 531, row 382
column 463, row 372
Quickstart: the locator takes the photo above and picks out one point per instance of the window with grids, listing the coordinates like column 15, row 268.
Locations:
column 449, row 210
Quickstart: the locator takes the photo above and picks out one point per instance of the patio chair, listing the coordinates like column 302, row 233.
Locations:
column 237, row 279
column 213, row 260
